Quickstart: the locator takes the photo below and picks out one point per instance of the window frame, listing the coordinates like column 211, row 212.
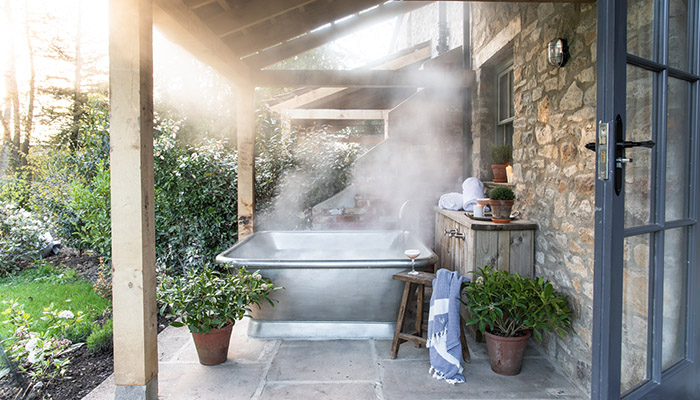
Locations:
column 501, row 125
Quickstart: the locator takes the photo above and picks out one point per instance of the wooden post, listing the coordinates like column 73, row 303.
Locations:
column 133, row 232
column 246, row 161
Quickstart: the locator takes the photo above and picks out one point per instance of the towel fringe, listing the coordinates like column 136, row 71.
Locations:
column 440, row 376
column 436, row 336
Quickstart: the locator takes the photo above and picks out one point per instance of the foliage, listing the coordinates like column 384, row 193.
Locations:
column 41, row 353
column 100, row 340
column 90, row 203
column 71, row 183
column 501, row 193
column 508, row 304
column 501, row 153
column 195, row 201
column 79, row 332
column 208, row 299
column 38, row 287
column 20, row 236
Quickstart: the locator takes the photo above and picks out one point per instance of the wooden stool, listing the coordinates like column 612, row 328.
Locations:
column 421, row 280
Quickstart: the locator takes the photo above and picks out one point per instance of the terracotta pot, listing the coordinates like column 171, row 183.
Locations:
column 500, row 210
column 499, row 173
column 506, row 353
column 212, row 347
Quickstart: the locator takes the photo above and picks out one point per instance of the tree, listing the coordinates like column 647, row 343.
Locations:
column 29, row 117
column 11, row 120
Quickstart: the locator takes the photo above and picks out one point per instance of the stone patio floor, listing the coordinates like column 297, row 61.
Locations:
column 337, row 369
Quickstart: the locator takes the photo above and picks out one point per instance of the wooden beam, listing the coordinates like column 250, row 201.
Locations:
column 250, row 14
column 434, row 78
column 194, row 4
column 224, row 4
column 182, row 26
column 293, row 24
column 318, row 113
column 317, row 94
column 245, row 117
column 133, row 218
column 312, row 40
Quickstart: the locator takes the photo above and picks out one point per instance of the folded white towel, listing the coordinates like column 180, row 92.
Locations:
column 451, row 201
column 472, row 189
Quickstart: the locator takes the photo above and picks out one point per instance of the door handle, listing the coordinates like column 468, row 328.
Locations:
column 627, row 144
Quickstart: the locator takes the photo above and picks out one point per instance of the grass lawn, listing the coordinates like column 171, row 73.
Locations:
column 39, row 287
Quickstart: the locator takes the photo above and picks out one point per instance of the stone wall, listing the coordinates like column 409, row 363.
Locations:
column 554, row 173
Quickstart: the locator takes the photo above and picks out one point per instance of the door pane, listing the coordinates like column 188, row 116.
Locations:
column 639, row 122
column 635, row 306
column 640, row 28
column 675, row 296
column 678, row 34
column 677, row 150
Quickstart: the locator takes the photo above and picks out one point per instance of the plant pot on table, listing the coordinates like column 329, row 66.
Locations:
column 500, row 210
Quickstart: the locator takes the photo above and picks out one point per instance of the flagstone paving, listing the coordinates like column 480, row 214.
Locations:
column 338, row 370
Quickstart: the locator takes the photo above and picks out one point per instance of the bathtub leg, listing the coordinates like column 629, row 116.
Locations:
column 400, row 321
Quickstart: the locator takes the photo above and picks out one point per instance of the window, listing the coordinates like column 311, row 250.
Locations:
column 504, row 103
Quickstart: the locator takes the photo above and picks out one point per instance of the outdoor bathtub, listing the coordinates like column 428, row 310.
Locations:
column 338, row 284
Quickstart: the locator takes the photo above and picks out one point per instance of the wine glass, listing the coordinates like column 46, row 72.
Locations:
column 412, row 254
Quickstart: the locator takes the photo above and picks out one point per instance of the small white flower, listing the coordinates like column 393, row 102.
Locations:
column 35, row 356
column 263, row 286
column 257, row 276
column 480, row 280
column 65, row 314
column 31, row 344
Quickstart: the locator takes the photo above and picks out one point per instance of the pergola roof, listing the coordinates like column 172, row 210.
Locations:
column 238, row 37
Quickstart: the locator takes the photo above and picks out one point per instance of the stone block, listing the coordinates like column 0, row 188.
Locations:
column 324, row 390
column 573, row 98
column 332, row 360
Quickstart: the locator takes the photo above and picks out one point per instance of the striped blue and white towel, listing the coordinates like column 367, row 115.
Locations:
column 443, row 327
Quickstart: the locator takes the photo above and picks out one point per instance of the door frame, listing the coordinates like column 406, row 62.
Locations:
column 612, row 62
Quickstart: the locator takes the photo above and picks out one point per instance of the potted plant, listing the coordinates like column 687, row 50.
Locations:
column 501, row 202
column 501, row 154
column 508, row 309
column 209, row 302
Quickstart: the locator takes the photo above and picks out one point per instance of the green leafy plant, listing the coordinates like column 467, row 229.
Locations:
column 101, row 339
column 41, row 353
column 501, row 153
column 508, row 304
column 501, row 193
column 208, row 299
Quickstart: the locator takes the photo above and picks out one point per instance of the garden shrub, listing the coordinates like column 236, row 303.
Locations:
column 196, row 201
column 90, row 203
column 79, row 332
column 101, row 339
column 20, row 237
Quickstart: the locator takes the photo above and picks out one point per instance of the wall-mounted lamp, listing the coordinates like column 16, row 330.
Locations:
column 558, row 52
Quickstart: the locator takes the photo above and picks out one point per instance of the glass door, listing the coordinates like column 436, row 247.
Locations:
column 646, row 306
